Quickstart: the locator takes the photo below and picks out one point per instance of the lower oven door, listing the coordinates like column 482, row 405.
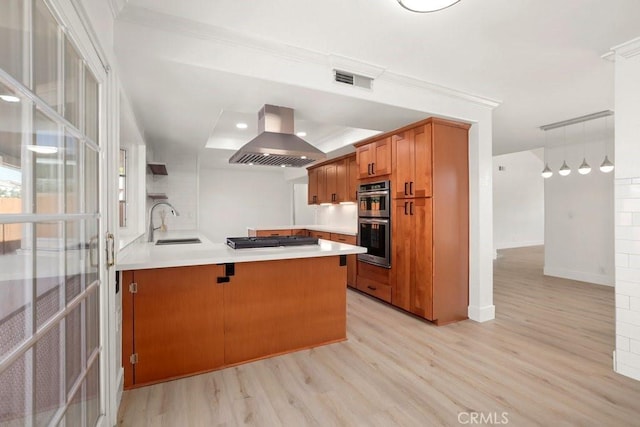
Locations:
column 374, row 235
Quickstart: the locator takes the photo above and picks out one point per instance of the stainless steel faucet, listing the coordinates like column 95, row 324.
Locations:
column 174, row 211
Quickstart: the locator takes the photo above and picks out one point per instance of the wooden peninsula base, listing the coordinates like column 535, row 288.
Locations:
column 181, row 321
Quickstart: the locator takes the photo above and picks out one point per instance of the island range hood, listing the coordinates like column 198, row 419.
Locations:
column 276, row 144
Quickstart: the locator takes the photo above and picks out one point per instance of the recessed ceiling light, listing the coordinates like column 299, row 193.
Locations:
column 42, row 149
column 301, row 134
column 303, row 157
column 283, row 166
column 250, row 164
column 9, row 98
column 242, row 125
column 426, row 5
column 265, row 154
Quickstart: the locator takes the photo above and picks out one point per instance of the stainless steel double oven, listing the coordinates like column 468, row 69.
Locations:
column 374, row 222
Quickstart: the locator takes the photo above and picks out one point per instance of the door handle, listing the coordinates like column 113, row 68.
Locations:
column 372, row 288
column 411, row 208
column 373, row 168
column 111, row 248
column 405, row 188
column 411, row 188
column 405, row 207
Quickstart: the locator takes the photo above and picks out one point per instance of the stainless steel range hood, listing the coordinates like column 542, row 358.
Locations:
column 276, row 145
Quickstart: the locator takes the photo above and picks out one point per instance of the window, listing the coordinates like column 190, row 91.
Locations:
column 122, row 187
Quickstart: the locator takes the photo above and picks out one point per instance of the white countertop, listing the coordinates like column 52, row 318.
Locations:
column 351, row 231
column 143, row 255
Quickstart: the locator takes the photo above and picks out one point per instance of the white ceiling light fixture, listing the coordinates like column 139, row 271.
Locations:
column 584, row 168
column 242, row 125
column 546, row 172
column 42, row 149
column 301, row 134
column 9, row 98
column 606, row 165
column 425, row 6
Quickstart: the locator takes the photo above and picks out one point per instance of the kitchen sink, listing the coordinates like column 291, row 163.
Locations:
column 183, row 241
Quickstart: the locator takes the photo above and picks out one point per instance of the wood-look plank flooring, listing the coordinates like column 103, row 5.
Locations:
column 545, row 360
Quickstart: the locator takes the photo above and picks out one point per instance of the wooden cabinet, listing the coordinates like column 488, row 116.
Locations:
column 374, row 281
column 412, row 256
column 430, row 235
column 412, row 162
column 352, row 179
column 320, row 234
column 374, row 158
column 179, row 325
column 182, row 321
column 351, row 259
column 331, row 182
column 314, row 190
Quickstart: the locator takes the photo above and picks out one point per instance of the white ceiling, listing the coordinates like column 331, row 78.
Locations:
column 540, row 58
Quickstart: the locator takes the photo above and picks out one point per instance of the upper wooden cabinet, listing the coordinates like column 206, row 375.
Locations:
column 374, row 158
column 333, row 181
column 412, row 165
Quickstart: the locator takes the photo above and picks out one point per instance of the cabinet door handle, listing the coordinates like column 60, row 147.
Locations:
column 411, row 208
column 405, row 188
column 373, row 288
column 405, row 207
column 373, row 168
column 411, row 188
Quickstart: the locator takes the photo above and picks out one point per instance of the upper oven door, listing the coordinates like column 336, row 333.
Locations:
column 374, row 203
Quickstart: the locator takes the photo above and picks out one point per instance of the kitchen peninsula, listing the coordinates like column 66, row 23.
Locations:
column 194, row 308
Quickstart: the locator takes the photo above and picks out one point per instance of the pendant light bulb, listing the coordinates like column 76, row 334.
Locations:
column 606, row 165
column 547, row 172
column 564, row 169
column 584, row 167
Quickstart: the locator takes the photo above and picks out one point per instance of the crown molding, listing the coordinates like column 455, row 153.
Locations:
column 157, row 20
column 116, row 7
column 188, row 28
column 408, row 81
column 626, row 50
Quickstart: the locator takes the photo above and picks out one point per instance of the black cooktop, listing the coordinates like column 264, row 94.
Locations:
column 269, row 241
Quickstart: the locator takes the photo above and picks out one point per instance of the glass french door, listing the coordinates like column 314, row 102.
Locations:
column 50, row 263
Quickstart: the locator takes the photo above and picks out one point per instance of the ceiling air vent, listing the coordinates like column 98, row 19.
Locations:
column 352, row 79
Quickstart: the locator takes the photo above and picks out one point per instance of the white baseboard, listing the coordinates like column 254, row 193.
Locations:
column 481, row 314
column 511, row 245
column 581, row 276
column 628, row 371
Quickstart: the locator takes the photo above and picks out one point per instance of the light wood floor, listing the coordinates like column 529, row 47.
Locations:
column 545, row 360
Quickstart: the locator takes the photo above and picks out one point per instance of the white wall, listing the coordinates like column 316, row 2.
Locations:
column 579, row 217
column 232, row 200
column 627, row 209
column 180, row 186
column 518, row 199
column 338, row 216
column 303, row 214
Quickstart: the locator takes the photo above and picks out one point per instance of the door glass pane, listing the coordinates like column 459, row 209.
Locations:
column 47, row 387
column 90, row 106
column 73, row 346
column 45, row 55
column 14, row 387
column 93, row 393
column 92, row 322
column 73, row 416
column 11, row 179
column 91, row 255
column 72, row 174
column 50, row 261
column 76, row 250
column 47, row 159
column 12, row 38
column 91, row 180
column 72, row 69
column 15, row 287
